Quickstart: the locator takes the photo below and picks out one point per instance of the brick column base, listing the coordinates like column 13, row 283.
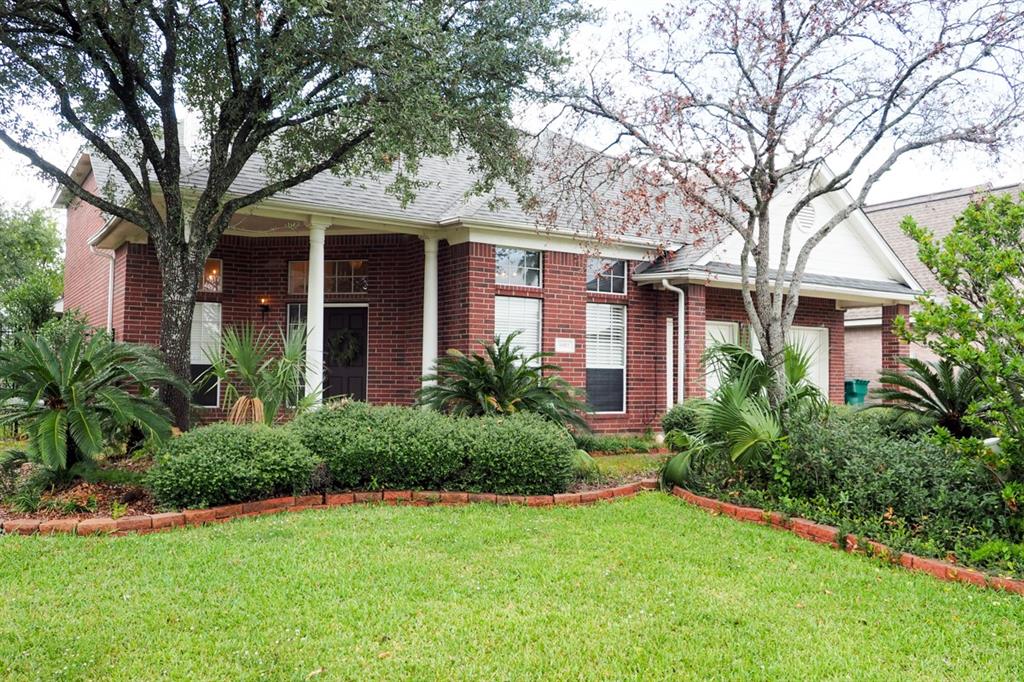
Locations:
column 893, row 347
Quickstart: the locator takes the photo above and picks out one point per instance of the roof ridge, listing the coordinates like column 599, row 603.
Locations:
column 983, row 188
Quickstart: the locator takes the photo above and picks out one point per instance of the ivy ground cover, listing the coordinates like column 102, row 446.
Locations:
column 645, row 588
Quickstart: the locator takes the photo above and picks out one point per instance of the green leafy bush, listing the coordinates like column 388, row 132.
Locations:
column 684, row 416
column 390, row 447
column 399, row 447
column 223, row 464
column 523, row 454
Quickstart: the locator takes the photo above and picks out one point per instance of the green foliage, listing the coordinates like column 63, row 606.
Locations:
column 738, row 364
column 523, row 454
column 398, row 447
column 978, row 324
column 684, row 416
column 71, row 399
column 617, row 444
column 1000, row 555
column 504, row 381
column 259, row 364
column 59, row 331
column 28, row 305
column 224, row 463
column 29, row 243
column 935, row 391
column 392, row 447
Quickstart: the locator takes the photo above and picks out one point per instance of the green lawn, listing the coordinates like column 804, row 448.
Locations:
column 645, row 588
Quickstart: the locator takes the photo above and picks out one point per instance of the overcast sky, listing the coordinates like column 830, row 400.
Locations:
column 913, row 175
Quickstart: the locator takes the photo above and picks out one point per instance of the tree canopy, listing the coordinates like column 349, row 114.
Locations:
column 298, row 87
column 30, row 268
column 728, row 106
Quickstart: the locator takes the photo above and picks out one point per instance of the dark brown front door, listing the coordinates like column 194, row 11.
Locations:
column 345, row 352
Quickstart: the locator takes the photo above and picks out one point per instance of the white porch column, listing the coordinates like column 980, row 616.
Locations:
column 315, row 308
column 429, row 303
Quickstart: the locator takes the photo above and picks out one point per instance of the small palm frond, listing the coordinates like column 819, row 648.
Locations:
column 936, row 390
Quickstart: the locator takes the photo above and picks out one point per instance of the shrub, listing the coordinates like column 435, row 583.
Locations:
column 684, row 417
column 523, row 455
column 223, row 464
column 400, row 447
column 935, row 391
column 388, row 447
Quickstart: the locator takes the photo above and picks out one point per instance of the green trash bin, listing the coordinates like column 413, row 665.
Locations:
column 856, row 391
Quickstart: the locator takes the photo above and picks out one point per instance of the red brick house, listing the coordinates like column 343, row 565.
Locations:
column 384, row 289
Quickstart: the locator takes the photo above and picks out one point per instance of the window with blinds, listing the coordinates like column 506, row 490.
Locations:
column 606, row 357
column 523, row 315
column 205, row 340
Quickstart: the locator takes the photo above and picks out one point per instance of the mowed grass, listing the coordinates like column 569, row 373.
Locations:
column 619, row 466
column 644, row 588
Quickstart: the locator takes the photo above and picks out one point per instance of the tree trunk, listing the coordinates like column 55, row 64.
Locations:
column 179, row 300
column 775, row 358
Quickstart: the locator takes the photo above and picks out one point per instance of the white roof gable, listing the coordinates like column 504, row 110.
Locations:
column 853, row 249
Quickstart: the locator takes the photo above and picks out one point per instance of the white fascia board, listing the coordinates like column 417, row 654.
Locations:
column 859, row 297
column 545, row 240
column 864, row 322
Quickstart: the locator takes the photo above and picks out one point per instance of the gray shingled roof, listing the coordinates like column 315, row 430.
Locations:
column 445, row 198
column 937, row 212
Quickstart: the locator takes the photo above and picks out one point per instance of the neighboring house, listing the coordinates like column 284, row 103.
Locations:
column 937, row 212
column 384, row 289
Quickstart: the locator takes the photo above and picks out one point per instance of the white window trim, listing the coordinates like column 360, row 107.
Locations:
column 625, row 279
column 220, row 307
column 540, row 269
column 625, row 359
column 735, row 328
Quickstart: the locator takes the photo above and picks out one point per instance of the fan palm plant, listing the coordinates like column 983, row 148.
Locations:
column 502, row 381
column 69, row 400
column 261, row 372
column 731, row 360
column 938, row 391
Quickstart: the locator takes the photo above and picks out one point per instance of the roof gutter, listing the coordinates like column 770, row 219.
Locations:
column 681, row 342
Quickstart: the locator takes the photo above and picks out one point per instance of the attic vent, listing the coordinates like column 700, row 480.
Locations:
column 805, row 219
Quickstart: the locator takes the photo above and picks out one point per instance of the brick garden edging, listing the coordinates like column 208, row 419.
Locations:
column 829, row 535
column 151, row 523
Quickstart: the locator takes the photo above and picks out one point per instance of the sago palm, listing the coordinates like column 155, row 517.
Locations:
column 502, row 381
column 936, row 390
column 70, row 400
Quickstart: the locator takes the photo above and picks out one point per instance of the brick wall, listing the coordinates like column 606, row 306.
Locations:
column 85, row 273
column 864, row 352
column 254, row 268
column 466, row 301
column 893, row 347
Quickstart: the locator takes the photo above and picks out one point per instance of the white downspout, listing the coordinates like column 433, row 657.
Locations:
column 681, row 355
column 111, row 256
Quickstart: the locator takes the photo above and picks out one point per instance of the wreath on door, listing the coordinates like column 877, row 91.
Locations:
column 344, row 347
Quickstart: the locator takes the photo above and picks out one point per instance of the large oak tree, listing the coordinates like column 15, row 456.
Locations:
column 724, row 106
column 301, row 86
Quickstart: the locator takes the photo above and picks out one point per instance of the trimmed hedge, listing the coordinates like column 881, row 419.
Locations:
column 383, row 447
column 399, row 447
column 224, row 464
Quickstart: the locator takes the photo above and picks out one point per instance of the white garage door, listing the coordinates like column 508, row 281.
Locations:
column 814, row 341
column 714, row 334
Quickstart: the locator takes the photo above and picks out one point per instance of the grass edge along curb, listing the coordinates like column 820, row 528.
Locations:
column 151, row 523
column 829, row 535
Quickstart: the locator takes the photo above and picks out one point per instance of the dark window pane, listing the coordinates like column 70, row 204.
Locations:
column 606, row 389
column 204, row 395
